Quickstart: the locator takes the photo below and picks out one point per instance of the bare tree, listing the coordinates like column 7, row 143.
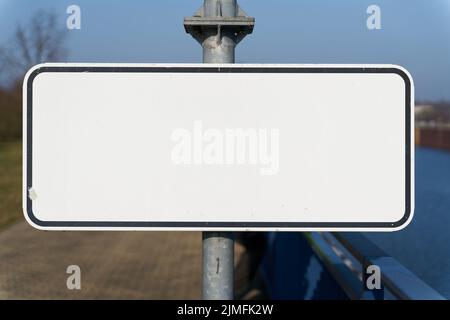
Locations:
column 42, row 40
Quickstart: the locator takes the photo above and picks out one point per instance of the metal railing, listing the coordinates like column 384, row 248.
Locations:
column 347, row 255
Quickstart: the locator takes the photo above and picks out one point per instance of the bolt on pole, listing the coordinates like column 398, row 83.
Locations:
column 219, row 25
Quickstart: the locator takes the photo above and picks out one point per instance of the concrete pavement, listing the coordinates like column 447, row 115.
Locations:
column 114, row 265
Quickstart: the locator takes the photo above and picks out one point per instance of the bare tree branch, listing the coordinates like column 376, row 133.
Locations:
column 23, row 45
column 42, row 40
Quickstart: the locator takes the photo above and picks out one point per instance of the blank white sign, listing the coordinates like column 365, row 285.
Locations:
column 218, row 147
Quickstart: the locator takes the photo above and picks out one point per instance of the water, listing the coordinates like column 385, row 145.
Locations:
column 424, row 246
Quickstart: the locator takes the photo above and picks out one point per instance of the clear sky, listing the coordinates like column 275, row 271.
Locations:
column 414, row 33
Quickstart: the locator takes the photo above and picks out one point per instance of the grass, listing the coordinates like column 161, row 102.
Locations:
column 10, row 182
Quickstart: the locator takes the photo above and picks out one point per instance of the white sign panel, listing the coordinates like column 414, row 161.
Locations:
column 218, row 147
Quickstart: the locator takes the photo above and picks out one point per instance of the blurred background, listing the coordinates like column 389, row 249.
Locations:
column 414, row 34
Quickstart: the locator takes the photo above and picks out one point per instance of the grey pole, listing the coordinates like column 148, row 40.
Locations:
column 218, row 26
column 219, row 44
column 218, row 266
column 218, row 247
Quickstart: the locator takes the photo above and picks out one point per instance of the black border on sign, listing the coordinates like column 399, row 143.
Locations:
column 216, row 69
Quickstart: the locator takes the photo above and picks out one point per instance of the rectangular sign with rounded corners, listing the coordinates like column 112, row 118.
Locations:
column 218, row 147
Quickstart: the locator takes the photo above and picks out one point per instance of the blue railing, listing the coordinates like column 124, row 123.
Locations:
column 332, row 266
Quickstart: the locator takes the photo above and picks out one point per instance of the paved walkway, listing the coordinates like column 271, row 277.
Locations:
column 114, row 265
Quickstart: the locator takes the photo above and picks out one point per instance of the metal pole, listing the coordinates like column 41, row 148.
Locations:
column 218, row 26
column 219, row 44
column 218, row 247
column 218, row 266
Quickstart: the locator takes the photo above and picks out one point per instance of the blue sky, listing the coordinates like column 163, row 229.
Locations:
column 414, row 34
